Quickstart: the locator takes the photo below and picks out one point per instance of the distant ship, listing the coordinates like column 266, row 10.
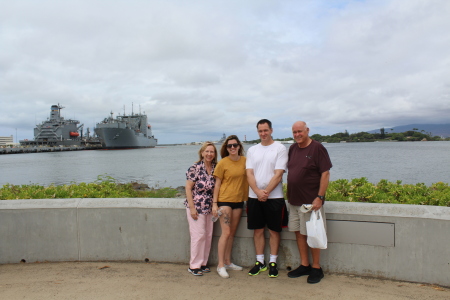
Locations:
column 222, row 140
column 57, row 131
column 125, row 132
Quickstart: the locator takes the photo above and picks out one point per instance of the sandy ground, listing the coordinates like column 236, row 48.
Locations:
column 133, row 280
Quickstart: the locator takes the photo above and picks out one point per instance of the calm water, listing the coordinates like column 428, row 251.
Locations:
column 426, row 162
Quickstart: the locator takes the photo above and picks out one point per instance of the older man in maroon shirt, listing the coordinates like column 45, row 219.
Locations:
column 308, row 174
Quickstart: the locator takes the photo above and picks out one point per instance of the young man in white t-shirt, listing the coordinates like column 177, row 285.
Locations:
column 266, row 163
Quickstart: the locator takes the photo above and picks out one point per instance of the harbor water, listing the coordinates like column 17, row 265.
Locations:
column 410, row 162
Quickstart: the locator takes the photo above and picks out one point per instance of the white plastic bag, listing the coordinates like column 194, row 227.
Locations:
column 317, row 237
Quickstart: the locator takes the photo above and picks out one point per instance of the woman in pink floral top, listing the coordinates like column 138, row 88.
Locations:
column 199, row 194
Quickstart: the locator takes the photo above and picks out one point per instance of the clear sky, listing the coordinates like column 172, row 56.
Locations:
column 203, row 68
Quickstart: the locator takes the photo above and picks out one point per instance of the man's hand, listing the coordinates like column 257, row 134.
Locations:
column 317, row 204
column 263, row 195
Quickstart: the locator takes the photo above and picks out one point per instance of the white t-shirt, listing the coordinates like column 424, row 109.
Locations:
column 264, row 160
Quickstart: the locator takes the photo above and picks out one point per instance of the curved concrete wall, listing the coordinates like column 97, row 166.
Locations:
column 401, row 242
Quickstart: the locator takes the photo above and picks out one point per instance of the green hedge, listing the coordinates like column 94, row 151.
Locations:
column 361, row 190
column 104, row 187
column 355, row 190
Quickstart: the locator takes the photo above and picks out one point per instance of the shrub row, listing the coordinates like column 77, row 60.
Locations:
column 102, row 188
column 361, row 190
column 355, row 190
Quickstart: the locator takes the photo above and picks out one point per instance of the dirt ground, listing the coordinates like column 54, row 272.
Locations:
column 139, row 280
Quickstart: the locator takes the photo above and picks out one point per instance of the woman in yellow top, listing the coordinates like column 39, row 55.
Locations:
column 230, row 192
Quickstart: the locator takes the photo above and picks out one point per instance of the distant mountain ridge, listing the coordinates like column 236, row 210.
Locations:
column 435, row 129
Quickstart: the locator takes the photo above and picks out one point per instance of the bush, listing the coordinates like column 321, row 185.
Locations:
column 104, row 187
column 360, row 190
column 355, row 190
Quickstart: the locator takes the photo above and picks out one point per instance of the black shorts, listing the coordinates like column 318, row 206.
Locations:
column 233, row 205
column 272, row 213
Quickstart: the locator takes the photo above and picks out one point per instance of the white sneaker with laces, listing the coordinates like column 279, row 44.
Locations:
column 233, row 267
column 223, row 272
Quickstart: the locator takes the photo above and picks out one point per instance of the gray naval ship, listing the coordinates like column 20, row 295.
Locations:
column 222, row 140
column 57, row 131
column 125, row 132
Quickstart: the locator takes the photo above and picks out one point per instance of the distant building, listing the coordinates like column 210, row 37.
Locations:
column 6, row 140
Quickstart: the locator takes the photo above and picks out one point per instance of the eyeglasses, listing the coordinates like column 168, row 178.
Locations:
column 229, row 146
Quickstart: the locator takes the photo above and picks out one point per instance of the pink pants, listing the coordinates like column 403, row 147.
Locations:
column 201, row 238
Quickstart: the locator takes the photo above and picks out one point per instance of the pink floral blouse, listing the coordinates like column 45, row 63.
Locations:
column 202, row 192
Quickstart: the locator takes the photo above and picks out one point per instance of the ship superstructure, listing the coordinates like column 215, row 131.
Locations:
column 57, row 131
column 222, row 140
column 125, row 132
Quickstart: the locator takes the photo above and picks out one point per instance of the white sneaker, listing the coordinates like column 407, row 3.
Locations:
column 223, row 272
column 233, row 267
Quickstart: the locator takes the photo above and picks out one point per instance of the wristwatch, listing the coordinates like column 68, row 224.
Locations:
column 321, row 197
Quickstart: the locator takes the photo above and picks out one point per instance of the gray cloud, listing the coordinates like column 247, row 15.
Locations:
column 202, row 68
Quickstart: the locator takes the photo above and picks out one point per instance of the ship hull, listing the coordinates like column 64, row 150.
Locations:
column 124, row 138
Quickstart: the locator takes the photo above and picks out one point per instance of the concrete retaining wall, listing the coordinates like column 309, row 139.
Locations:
column 401, row 242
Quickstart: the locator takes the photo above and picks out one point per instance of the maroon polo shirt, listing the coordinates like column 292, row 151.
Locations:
column 305, row 167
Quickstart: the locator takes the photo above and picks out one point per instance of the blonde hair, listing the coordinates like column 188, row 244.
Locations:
column 203, row 148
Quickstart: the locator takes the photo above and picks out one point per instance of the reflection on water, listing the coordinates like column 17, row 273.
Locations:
column 411, row 162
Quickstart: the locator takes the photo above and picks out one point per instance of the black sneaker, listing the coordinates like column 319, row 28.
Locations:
column 195, row 272
column 259, row 267
column 300, row 271
column 315, row 276
column 205, row 269
column 273, row 271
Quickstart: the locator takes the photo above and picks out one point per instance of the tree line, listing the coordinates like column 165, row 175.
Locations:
column 385, row 135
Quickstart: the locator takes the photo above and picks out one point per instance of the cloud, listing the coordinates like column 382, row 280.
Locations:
column 202, row 68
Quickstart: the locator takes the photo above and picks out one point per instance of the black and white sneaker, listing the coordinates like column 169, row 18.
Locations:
column 205, row 269
column 258, row 267
column 195, row 272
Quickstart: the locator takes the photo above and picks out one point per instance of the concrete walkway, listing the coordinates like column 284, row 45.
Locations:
column 139, row 280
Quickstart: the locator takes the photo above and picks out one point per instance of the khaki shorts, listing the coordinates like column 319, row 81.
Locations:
column 297, row 219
